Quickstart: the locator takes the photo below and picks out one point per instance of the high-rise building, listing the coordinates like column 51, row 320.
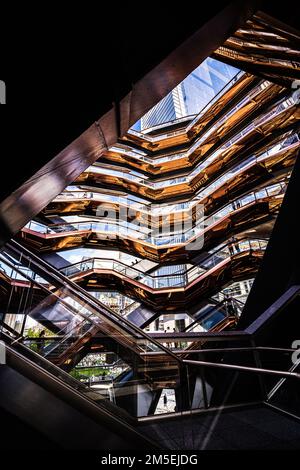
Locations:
column 168, row 109
column 190, row 96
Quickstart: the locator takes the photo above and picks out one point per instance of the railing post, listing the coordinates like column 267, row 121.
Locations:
column 258, row 364
column 183, row 398
column 205, row 399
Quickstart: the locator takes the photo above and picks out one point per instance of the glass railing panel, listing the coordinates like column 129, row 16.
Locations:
column 285, row 392
column 158, row 185
column 127, row 229
column 21, row 273
column 212, row 320
column 67, row 299
column 215, row 259
column 73, row 319
column 184, row 276
column 245, row 200
column 154, row 282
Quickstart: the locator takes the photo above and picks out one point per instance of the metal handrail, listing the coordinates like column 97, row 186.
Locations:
column 147, row 206
column 48, row 291
column 253, row 159
column 206, row 258
column 254, row 327
column 90, row 300
column 243, row 368
column 210, row 217
column 225, row 350
column 107, row 408
column 209, row 312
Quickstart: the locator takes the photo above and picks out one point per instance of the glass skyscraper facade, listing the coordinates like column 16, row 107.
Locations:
column 204, row 83
column 190, row 96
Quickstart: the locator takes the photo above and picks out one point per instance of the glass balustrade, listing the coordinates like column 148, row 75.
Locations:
column 67, row 311
column 73, row 318
column 139, row 204
column 137, row 232
column 21, row 274
column 182, row 279
column 279, row 108
column 153, row 367
column 215, row 315
column 153, row 281
column 141, row 180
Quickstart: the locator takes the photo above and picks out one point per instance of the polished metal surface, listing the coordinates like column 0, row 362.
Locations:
column 266, row 45
column 176, row 291
column 214, row 230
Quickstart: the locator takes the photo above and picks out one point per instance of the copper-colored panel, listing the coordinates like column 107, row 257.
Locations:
column 265, row 46
column 146, row 189
column 239, row 220
column 239, row 266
